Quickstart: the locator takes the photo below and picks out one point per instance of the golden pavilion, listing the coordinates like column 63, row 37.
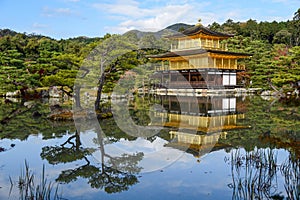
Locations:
column 198, row 60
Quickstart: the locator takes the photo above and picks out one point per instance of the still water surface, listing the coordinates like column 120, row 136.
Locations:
column 158, row 148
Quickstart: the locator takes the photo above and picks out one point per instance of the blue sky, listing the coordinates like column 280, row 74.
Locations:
column 72, row 18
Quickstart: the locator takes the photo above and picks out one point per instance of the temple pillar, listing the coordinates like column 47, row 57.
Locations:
column 215, row 63
column 200, row 42
column 222, row 63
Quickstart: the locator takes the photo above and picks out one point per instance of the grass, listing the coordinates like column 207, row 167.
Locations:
column 254, row 174
column 30, row 189
column 290, row 170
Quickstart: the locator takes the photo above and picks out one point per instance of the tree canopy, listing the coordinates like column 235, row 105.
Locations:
column 31, row 61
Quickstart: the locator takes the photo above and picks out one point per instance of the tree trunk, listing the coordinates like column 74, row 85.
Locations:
column 77, row 139
column 77, row 88
column 99, row 91
column 77, row 96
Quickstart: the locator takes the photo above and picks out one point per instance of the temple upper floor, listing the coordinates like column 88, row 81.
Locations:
column 200, row 59
column 199, row 37
column 200, row 48
column 198, row 43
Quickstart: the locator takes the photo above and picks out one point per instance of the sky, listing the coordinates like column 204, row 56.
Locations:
column 94, row 18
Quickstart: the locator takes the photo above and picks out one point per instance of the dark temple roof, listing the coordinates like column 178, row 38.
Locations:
column 198, row 51
column 199, row 29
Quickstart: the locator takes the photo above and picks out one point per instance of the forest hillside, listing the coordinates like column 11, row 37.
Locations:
column 30, row 61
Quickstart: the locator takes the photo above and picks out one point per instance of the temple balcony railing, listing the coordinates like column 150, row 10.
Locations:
column 175, row 47
column 194, row 84
column 162, row 67
column 241, row 67
column 230, row 67
column 166, row 67
column 181, row 85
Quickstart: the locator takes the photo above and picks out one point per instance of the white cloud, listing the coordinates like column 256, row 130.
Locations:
column 156, row 15
column 39, row 26
column 63, row 11
column 133, row 16
column 151, row 17
column 124, row 8
column 153, row 20
column 52, row 12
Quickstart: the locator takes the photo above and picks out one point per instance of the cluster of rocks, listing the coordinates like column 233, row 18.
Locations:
column 62, row 114
column 278, row 94
column 59, row 113
column 51, row 92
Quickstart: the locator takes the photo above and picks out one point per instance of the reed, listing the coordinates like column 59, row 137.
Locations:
column 30, row 189
column 254, row 174
column 290, row 170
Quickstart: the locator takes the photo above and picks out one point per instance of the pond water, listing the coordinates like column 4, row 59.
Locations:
column 158, row 147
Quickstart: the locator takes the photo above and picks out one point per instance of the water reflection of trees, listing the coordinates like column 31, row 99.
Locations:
column 255, row 174
column 69, row 151
column 273, row 124
column 290, row 170
column 114, row 174
column 20, row 119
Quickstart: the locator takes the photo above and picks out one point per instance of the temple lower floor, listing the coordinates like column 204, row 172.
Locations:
column 193, row 79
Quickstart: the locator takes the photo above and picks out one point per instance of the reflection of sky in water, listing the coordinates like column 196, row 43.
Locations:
column 156, row 155
column 184, row 179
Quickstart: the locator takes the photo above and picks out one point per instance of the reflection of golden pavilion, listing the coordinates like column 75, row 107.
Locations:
column 206, row 124
column 198, row 123
column 196, row 144
column 197, row 139
column 202, row 114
